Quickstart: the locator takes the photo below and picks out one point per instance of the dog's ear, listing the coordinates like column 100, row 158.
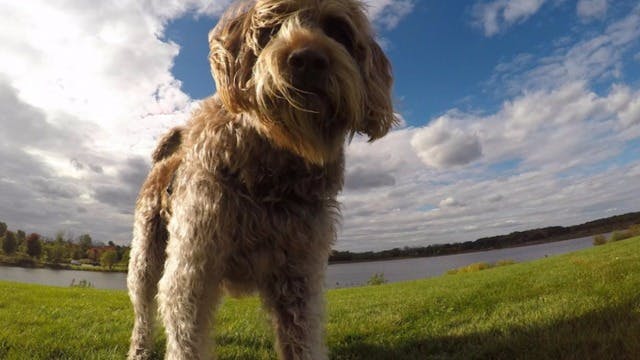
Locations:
column 379, row 116
column 168, row 144
column 231, row 60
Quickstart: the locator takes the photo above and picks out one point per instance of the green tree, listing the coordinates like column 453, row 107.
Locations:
column 59, row 237
column 124, row 257
column 55, row 253
column 34, row 245
column 85, row 242
column 3, row 228
column 9, row 244
column 20, row 238
column 109, row 258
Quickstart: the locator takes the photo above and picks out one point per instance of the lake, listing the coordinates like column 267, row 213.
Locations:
column 338, row 275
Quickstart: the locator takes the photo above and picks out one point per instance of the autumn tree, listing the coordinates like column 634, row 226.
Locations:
column 9, row 244
column 33, row 245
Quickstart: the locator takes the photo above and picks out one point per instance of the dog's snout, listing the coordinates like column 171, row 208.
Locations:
column 308, row 63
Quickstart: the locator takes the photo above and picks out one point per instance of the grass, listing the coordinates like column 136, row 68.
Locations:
column 584, row 305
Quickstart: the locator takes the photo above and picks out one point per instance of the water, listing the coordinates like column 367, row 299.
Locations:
column 354, row 274
column 101, row 280
column 338, row 275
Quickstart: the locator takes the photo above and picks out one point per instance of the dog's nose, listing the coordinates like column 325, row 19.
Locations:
column 308, row 63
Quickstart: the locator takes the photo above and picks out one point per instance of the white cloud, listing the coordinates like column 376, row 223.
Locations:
column 596, row 58
column 497, row 15
column 388, row 13
column 563, row 141
column 169, row 9
column 85, row 90
column 450, row 202
column 442, row 145
column 589, row 9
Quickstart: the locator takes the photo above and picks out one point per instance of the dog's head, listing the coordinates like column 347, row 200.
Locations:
column 308, row 71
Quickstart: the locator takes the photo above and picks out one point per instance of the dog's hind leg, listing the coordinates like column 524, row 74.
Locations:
column 145, row 268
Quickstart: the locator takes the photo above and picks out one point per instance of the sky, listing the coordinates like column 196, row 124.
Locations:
column 516, row 114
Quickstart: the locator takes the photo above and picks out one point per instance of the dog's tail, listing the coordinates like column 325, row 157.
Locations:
column 168, row 144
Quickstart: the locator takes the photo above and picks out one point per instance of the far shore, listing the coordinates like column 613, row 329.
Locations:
column 121, row 268
column 97, row 268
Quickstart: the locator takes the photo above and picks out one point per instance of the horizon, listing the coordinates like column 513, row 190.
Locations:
column 515, row 115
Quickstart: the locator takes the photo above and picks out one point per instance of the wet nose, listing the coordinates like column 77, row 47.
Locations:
column 308, row 64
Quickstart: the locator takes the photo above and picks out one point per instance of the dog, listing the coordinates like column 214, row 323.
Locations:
column 242, row 198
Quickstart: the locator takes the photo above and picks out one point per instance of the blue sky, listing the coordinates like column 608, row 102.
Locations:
column 441, row 58
column 517, row 114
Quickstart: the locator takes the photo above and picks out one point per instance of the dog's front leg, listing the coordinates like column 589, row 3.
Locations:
column 189, row 287
column 296, row 302
column 145, row 269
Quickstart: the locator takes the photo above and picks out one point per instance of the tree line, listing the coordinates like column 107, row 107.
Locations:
column 518, row 238
column 61, row 251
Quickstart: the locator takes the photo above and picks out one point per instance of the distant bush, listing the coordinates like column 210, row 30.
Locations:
column 18, row 260
column 377, row 279
column 480, row 266
column 620, row 235
column 470, row 268
column 504, row 262
column 599, row 240
column 634, row 230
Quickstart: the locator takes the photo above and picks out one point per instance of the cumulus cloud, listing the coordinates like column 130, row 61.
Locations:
column 496, row 15
column 82, row 107
column 83, row 88
column 564, row 140
column 441, row 144
column 589, row 9
column 450, row 202
column 388, row 13
column 567, row 138
column 85, row 91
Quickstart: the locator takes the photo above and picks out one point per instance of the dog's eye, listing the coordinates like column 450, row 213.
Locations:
column 340, row 31
column 265, row 34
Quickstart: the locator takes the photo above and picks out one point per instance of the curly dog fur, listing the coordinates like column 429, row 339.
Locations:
column 242, row 198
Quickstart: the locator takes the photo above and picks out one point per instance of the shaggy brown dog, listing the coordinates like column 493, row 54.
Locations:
column 243, row 197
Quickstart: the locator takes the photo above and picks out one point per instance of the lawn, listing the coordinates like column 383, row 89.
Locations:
column 584, row 305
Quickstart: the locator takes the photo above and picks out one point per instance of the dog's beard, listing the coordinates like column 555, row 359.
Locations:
column 312, row 122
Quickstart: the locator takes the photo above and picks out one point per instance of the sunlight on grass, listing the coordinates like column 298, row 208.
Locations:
column 577, row 306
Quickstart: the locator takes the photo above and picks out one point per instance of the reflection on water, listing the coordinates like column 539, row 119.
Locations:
column 338, row 275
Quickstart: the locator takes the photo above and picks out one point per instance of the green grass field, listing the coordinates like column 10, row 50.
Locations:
column 584, row 305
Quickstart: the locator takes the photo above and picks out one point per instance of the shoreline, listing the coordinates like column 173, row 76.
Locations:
column 61, row 267
column 334, row 262
column 538, row 242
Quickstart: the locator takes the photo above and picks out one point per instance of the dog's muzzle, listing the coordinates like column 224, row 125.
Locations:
column 309, row 68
